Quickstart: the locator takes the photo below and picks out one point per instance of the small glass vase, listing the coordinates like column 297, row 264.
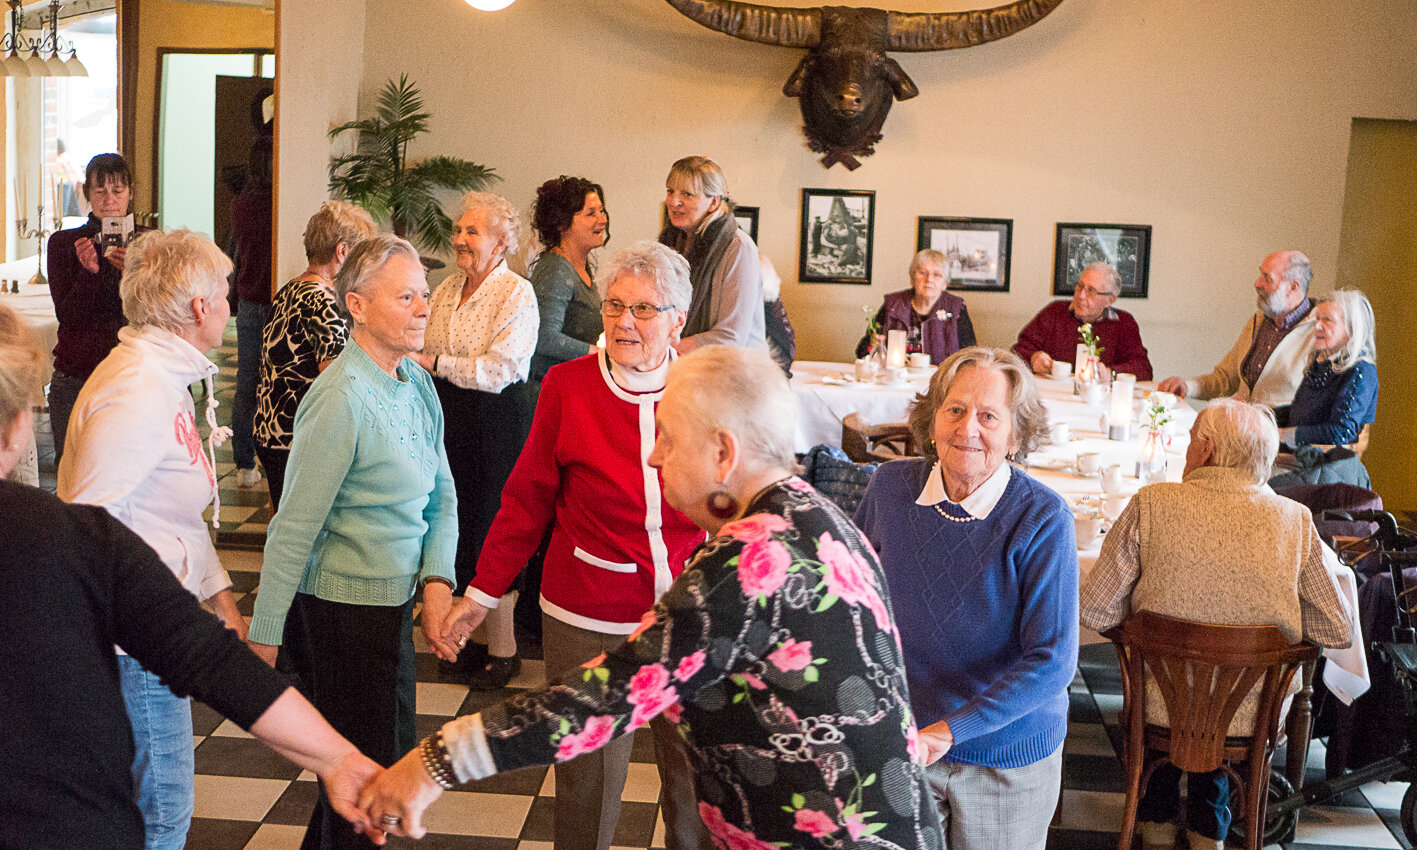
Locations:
column 1151, row 463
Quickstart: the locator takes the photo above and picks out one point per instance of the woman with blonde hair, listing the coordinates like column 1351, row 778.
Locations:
column 305, row 334
column 1339, row 393
column 482, row 328
column 727, row 307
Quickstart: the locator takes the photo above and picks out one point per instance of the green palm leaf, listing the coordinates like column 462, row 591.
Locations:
column 378, row 176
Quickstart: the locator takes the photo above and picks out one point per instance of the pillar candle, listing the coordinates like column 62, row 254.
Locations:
column 895, row 348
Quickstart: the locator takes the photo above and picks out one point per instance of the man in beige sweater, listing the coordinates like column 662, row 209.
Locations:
column 1267, row 361
column 1219, row 547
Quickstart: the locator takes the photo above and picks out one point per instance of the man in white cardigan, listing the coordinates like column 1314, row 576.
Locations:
column 1267, row 362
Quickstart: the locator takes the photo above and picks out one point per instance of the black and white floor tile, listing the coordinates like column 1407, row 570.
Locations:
column 247, row 797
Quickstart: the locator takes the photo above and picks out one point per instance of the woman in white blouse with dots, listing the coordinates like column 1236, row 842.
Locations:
column 482, row 327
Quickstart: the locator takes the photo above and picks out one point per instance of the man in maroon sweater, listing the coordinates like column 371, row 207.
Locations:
column 1054, row 332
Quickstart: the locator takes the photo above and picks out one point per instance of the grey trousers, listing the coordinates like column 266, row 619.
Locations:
column 588, row 787
column 987, row 808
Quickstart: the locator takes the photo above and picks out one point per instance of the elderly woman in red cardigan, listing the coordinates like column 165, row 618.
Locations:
column 616, row 544
column 935, row 321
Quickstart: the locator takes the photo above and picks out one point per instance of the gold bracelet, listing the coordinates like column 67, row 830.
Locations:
column 437, row 761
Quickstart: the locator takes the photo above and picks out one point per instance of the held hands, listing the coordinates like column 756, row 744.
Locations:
column 264, row 651
column 88, row 255
column 343, row 782
column 456, row 627
column 1041, row 363
column 936, row 739
column 437, row 603
column 404, row 791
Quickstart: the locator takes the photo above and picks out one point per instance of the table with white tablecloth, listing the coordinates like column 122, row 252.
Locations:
column 36, row 309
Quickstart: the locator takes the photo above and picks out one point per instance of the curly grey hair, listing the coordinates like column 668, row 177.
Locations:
column 502, row 218
column 1243, row 436
column 164, row 272
column 1030, row 417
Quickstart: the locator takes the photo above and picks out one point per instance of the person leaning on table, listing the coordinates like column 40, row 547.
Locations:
column 369, row 516
column 1267, row 361
column 78, row 582
column 1054, row 333
column 1217, row 547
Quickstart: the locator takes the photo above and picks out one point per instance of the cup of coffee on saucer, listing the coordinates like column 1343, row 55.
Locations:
column 1058, row 431
column 1062, row 370
column 1088, row 527
column 1089, row 463
column 865, row 369
column 1113, row 504
column 920, row 360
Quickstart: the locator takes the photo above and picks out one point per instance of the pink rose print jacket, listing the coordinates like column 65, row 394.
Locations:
column 776, row 654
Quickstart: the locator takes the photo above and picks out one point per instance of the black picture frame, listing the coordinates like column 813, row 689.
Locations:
column 1125, row 247
column 837, row 236
column 979, row 250
column 747, row 220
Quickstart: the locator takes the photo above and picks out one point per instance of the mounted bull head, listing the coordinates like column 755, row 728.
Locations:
column 846, row 82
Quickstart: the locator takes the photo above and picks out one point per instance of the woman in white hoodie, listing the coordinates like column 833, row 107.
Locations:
column 133, row 447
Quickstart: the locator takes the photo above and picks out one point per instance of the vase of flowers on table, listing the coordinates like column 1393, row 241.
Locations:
column 1156, row 437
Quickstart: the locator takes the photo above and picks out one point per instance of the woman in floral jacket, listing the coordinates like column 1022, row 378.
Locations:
column 774, row 651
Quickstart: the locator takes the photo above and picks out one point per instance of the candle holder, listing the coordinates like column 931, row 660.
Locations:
column 1119, row 419
column 38, row 233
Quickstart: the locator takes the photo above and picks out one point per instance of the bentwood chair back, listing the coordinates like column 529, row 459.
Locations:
column 1203, row 673
column 866, row 443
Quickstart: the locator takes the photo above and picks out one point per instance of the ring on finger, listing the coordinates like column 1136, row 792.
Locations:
column 390, row 820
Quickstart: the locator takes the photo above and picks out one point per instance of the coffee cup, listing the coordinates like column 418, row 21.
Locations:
column 1088, row 528
column 865, row 369
column 1062, row 370
column 896, row 374
column 920, row 360
column 1059, row 433
column 1093, row 393
column 1112, row 478
column 1113, row 504
column 1089, row 462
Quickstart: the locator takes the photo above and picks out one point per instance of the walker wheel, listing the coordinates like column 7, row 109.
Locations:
column 1277, row 828
column 1409, row 814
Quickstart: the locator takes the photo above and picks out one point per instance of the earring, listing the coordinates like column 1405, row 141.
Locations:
column 722, row 505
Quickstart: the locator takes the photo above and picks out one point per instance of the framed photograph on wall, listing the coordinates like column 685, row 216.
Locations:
column 748, row 221
column 836, row 242
column 1124, row 247
column 976, row 250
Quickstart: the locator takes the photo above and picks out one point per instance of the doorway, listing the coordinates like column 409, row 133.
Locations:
column 1377, row 253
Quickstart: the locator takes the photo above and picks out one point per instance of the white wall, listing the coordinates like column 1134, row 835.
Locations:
column 317, row 82
column 1223, row 125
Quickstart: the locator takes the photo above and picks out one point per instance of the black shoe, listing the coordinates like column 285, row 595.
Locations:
column 471, row 660
column 496, row 674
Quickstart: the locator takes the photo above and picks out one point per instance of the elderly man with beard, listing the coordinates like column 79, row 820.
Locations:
column 1267, row 362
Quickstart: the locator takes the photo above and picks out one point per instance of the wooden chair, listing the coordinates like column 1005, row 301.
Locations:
column 1203, row 673
column 865, row 443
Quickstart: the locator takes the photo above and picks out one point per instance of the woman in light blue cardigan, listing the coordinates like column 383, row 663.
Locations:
column 369, row 515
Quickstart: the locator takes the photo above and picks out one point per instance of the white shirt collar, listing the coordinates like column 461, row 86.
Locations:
column 640, row 382
column 978, row 504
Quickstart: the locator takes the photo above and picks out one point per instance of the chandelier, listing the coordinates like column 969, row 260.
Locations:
column 37, row 56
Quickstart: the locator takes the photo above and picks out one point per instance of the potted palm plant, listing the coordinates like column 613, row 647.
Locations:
column 379, row 176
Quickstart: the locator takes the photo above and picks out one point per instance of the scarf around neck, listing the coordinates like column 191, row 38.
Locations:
column 703, row 249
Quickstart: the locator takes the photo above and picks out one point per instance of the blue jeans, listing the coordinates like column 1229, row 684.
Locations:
column 163, row 763
column 63, row 392
column 251, row 321
column 1207, row 800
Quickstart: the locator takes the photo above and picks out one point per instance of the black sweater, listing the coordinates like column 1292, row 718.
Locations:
column 75, row 582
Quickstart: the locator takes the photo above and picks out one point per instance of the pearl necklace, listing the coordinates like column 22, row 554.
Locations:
column 941, row 511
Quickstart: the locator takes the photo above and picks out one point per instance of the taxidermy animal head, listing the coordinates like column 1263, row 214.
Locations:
column 846, row 83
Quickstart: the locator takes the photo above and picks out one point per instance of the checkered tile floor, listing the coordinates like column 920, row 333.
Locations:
column 247, row 797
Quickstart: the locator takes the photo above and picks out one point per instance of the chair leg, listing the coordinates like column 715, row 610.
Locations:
column 1133, row 771
column 1297, row 727
column 1256, row 794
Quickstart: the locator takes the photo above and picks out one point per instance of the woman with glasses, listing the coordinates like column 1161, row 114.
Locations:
column 936, row 322
column 1054, row 333
column 616, row 544
column 482, row 325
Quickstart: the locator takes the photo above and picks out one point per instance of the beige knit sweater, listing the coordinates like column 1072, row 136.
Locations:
column 1216, row 549
column 1281, row 375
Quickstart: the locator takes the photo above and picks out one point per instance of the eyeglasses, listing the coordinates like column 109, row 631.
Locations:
column 1097, row 293
column 614, row 309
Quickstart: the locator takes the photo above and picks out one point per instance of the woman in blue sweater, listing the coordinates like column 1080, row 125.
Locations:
column 982, row 565
column 1339, row 393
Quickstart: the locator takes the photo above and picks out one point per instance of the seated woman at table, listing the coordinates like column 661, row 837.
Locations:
column 1175, row 550
column 935, row 321
column 774, row 651
column 1339, row 393
column 983, row 567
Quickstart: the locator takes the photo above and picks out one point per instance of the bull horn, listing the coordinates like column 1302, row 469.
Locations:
column 916, row 32
column 751, row 22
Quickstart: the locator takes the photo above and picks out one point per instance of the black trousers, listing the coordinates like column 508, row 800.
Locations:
column 484, row 434
column 274, row 461
column 357, row 662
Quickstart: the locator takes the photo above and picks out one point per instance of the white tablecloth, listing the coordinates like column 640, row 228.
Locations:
column 34, row 306
column 825, row 396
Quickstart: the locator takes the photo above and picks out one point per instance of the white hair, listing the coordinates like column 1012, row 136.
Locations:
column 1243, row 436
column 662, row 265
column 1114, row 280
column 741, row 391
column 364, row 261
column 502, row 218
column 163, row 273
column 1358, row 316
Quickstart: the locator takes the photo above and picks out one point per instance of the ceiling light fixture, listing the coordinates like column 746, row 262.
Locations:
column 490, row 5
